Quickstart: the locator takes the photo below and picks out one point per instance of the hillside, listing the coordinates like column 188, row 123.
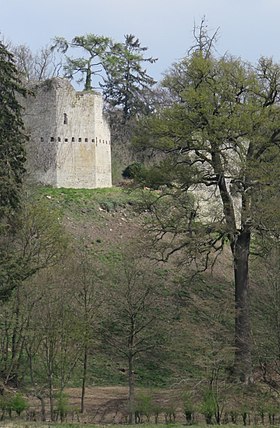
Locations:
column 72, row 306
column 106, row 217
column 104, row 222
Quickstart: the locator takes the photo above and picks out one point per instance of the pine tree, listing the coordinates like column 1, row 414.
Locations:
column 12, row 138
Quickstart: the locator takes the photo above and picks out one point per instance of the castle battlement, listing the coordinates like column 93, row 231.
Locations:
column 69, row 144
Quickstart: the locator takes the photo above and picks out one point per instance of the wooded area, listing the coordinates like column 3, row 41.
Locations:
column 170, row 281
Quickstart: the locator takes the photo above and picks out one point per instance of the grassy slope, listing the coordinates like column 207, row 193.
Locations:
column 104, row 220
column 105, row 216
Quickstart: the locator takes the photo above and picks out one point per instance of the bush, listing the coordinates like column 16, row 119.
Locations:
column 188, row 408
column 208, row 407
column 144, row 407
column 18, row 404
column 132, row 170
column 62, row 406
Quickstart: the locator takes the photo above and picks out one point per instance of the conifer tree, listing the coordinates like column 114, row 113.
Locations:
column 127, row 82
column 12, row 138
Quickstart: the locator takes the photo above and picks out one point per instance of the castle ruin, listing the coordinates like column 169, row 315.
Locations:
column 69, row 138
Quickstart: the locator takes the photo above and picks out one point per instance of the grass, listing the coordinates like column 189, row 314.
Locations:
column 89, row 201
column 116, row 194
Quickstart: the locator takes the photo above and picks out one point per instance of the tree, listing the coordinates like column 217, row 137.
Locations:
column 131, row 325
column 127, row 82
column 51, row 333
column 124, row 82
column 38, row 241
column 87, row 293
column 39, row 66
column 220, row 137
column 60, row 346
column 96, row 49
column 12, row 138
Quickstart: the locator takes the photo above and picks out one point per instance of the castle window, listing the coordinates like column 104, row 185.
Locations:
column 59, row 139
column 66, row 139
column 42, row 139
column 73, row 139
column 65, row 119
column 86, row 140
column 79, row 139
column 52, row 138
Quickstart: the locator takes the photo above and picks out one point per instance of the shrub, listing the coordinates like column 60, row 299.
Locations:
column 132, row 170
column 18, row 404
column 62, row 406
column 170, row 413
column 144, row 407
column 188, row 408
column 208, row 407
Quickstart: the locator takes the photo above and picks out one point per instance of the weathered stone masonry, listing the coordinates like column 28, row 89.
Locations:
column 69, row 137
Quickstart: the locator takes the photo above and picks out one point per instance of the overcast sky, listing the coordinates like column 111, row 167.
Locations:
column 248, row 28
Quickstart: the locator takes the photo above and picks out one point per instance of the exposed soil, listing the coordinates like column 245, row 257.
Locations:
column 111, row 228
column 109, row 405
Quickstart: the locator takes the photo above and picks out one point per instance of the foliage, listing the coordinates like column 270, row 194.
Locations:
column 38, row 241
column 12, row 138
column 62, row 406
column 18, row 404
column 127, row 83
column 116, row 67
column 208, row 406
column 132, row 170
column 131, row 326
column 188, row 407
column 219, row 140
column 144, row 406
column 96, row 49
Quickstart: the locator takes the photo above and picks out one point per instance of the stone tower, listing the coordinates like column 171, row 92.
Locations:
column 69, row 144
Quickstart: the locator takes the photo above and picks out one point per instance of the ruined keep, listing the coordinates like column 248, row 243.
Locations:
column 69, row 138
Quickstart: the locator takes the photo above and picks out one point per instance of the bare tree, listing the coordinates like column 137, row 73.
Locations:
column 131, row 325
column 41, row 65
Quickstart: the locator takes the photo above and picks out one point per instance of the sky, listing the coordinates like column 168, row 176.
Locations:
column 247, row 28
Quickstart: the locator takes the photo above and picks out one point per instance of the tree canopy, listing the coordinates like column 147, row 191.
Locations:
column 126, row 79
column 12, row 138
column 219, row 140
column 95, row 48
column 116, row 68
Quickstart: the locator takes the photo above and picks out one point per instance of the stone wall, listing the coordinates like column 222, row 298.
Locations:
column 69, row 137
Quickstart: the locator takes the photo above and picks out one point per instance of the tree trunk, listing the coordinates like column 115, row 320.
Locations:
column 43, row 407
column 88, row 79
column 51, row 400
column 84, row 378
column 131, row 392
column 242, row 363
